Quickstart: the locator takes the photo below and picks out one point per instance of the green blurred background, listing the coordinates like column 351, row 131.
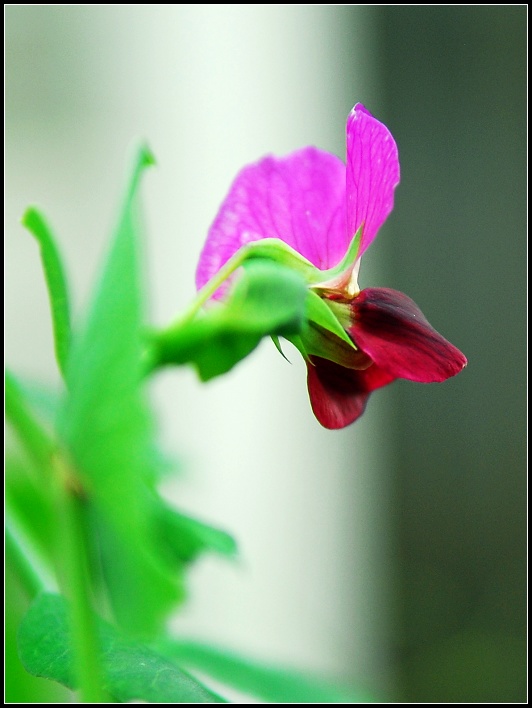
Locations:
column 455, row 86
column 392, row 554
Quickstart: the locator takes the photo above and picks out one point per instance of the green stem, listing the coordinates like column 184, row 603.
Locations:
column 211, row 287
column 270, row 249
column 150, row 356
column 19, row 560
column 74, row 564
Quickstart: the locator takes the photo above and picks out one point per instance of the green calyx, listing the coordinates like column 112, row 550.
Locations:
column 276, row 292
column 323, row 328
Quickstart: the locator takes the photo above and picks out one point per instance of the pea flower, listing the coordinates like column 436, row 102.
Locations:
column 323, row 215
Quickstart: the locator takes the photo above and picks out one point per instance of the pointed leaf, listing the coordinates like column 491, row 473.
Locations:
column 56, row 282
column 187, row 538
column 106, row 427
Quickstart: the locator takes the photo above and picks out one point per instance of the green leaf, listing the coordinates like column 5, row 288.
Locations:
column 31, row 433
column 186, row 538
column 19, row 686
column 42, row 398
column 267, row 299
column 271, row 683
column 28, row 499
column 56, row 282
column 107, row 431
column 132, row 671
column 23, row 562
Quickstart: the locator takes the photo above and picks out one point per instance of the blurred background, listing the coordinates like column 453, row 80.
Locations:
column 390, row 555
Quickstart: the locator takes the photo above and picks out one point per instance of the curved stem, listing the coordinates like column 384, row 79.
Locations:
column 150, row 361
column 211, row 287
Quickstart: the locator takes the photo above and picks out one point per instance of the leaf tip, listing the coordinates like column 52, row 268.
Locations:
column 146, row 158
column 31, row 218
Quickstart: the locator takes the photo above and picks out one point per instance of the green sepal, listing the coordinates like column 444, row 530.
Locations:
column 347, row 262
column 276, row 250
column 277, row 343
column 320, row 314
column 322, row 334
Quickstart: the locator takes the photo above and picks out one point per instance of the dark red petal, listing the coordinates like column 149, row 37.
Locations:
column 338, row 395
column 392, row 330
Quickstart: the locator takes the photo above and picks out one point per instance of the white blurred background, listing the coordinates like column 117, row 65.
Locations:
column 211, row 88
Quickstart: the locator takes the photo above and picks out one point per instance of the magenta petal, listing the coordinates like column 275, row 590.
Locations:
column 299, row 199
column 372, row 174
column 338, row 395
column 392, row 330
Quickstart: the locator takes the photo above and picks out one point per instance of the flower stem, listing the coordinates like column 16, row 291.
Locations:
column 211, row 287
column 150, row 359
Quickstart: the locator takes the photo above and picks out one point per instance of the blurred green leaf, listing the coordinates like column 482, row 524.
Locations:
column 267, row 299
column 19, row 686
column 29, row 430
column 107, row 430
column 29, row 502
column 187, row 538
column 271, row 683
column 56, row 282
column 131, row 670
column 43, row 399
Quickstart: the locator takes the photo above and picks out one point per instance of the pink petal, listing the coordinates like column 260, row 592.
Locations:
column 372, row 174
column 338, row 395
column 299, row 199
column 392, row 330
